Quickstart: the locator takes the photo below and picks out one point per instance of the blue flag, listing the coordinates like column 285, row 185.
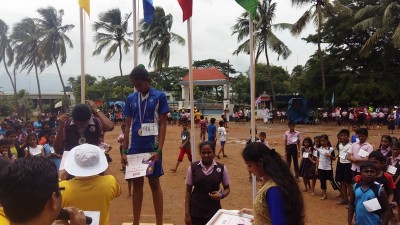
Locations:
column 148, row 10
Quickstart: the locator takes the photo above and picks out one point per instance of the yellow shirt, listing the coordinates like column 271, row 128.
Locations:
column 91, row 194
column 261, row 212
column 14, row 151
column 3, row 218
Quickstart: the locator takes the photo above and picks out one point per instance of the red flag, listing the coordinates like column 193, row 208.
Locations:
column 186, row 6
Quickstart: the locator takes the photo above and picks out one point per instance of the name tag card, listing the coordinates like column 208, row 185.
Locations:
column 305, row 155
column 343, row 155
column 294, row 140
column 149, row 129
column 362, row 153
column 372, row 205
column 392, row 170
column 315, row 153
column 52, row 150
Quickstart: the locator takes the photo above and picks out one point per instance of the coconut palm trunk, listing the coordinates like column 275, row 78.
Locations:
column 66, row 100
column 38, row 85
column 120, row 68
column 13, row 84
column 271, row 82
column 320, row 55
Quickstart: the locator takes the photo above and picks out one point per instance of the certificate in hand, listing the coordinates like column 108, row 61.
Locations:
column 230, row 217
column 138, row 166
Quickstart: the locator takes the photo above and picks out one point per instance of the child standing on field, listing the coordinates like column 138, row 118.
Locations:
column 313, row 159
column 185, row 146
column 203, row 128
column 343, row 168
column 262, row 137
column 306, row 164
column 363, row 192
column 222, row 139
column 212, row 131
column 324, row 163
column 292, row 150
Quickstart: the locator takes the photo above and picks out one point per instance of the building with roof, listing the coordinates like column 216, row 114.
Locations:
column 205, row 77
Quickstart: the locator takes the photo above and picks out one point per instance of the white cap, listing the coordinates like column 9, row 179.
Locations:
column 86, row 160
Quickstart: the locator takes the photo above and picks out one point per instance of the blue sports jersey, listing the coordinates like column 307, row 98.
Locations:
column 152, row 106
column 362, row 216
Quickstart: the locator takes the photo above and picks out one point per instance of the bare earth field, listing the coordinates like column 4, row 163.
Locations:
column 173, row 184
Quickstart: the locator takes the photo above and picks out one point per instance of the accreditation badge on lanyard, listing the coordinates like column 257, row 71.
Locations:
column 146, row 129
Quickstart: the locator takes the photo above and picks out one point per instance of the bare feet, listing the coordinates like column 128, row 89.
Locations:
column 313, row 193
column 173, row 170
column 305, row 190
column 323, row 197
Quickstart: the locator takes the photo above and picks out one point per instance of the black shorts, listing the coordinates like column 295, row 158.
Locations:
column 343, row 173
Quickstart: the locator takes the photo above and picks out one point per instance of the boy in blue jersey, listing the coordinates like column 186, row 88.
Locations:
column 145, row 110
column 212, row 131
column 364, row 192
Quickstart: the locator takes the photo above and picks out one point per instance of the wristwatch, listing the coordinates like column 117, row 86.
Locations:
column 97, row 111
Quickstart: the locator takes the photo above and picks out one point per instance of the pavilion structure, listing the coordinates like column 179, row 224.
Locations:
column 205, row 77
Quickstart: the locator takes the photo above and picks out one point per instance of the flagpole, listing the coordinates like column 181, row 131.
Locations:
column 252, row 92
column 135, row 45
column 191, row 96
column 82, row 39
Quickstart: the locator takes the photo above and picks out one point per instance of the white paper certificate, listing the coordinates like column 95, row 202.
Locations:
column 343, row 155
column 305, row 155
column 230, row 217
column 137, row 165
column 64, row 157
column 362, row 153
column 372, row 205
column 95, row 215
column 392, row 170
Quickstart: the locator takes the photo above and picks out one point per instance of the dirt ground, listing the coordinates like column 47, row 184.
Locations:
column 173, row 184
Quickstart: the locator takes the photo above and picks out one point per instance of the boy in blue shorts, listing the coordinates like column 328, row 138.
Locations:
column 212, row 131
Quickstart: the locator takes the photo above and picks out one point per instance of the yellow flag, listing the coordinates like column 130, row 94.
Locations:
column 85, row 5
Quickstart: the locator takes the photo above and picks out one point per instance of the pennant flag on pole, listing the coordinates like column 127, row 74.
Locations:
column 187, row 6
column 148, row 10
column 249, row 5
column 258, row 100
column 85, row 5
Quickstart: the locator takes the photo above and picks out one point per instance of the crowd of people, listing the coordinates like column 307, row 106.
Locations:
column 32, row 152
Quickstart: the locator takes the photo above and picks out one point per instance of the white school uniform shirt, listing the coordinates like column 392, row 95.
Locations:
column 222, row 133
column 343, row 150
column 324, row 163
column 35, row 151
column 292, row 137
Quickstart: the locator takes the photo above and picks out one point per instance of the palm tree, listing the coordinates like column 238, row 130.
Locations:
column 54, row 40
column 7, row 56
column 263, row 35
column 383, row 21
column 112, row 30
column 318, row 12
column 26, row 36
column 156, row 38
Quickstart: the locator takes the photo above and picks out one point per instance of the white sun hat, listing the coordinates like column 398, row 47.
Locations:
column 86, row 160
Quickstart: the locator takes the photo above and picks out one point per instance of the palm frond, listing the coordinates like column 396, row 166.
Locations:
column 369, row 44
column 396, row 37
column 373, row 22
column 301, row 23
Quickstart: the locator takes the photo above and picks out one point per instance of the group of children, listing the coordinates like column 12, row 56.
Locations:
column 25, row 141
column 368, row 180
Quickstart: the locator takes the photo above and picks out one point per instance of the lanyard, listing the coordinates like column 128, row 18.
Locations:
column 140, row 110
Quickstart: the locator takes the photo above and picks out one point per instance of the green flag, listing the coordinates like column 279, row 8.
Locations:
column 249, row 5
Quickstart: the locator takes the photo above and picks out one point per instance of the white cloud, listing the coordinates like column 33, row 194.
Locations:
column 211, row 23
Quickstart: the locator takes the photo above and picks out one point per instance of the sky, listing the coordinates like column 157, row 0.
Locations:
column 211, row 31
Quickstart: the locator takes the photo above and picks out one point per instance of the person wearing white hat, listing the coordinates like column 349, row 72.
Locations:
column 88, row 190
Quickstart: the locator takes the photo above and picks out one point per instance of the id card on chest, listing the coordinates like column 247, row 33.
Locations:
column 148, row 129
